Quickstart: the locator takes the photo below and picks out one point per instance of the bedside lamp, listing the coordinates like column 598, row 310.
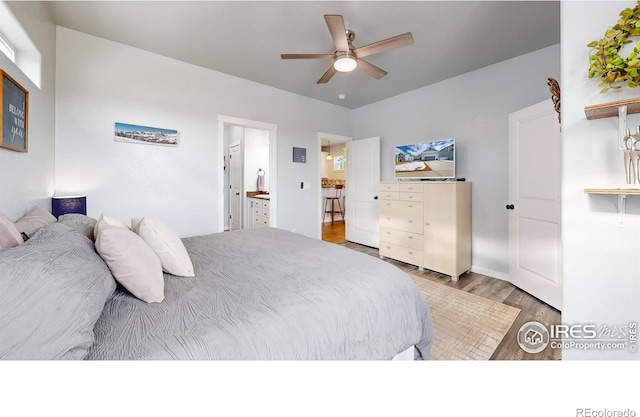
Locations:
column 68, row 204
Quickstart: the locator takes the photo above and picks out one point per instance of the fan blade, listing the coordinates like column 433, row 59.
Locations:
column 371, row 69
column 338, row 31
column 306, row 56
column 327, row 75
column 399, row 41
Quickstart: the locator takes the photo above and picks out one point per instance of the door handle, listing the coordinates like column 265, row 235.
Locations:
column 375, row 197
column 510, row 206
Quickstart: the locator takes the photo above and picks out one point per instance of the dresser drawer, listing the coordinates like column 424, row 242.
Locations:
column 410, row 188
column 402, row 215
column 413, row 225
column 402, row 238
column 407, row 196
column 389, row 195
column 265, row 212
column 265, row 204
column 408, row 209
column 389, row 187
column 401, row 253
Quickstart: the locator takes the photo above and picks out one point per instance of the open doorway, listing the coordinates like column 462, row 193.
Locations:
column 249, row 172
column 334, row 190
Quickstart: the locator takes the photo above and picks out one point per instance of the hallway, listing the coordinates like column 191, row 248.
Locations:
column 333, row 233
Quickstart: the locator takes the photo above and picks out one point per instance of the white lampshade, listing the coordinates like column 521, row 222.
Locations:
column 345, row 64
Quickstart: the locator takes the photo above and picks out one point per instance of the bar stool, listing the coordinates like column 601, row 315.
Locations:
column 331, row 200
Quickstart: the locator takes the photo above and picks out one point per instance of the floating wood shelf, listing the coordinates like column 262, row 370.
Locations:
column 599, row 111
column 622, row 194
column 612, row 191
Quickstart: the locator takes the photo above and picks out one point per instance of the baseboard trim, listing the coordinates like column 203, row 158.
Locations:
column 490, row 273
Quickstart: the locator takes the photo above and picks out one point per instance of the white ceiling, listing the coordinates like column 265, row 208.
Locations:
column 245, row 39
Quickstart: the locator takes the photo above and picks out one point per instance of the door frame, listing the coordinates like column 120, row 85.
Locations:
column 336, row 139
column 273, row 180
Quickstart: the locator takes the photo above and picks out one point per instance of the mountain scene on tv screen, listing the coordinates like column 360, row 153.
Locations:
column 434, row 159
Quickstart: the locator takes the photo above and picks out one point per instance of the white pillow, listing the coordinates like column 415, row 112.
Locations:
column 104, row 219
column 166, row 244
column 132, row 262
column 9, row 234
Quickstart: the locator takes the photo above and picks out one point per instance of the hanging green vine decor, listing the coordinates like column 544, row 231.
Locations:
column 606, row 63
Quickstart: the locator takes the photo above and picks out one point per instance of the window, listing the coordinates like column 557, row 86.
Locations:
column 16, row 44
column 338, row 163
column 6, row 49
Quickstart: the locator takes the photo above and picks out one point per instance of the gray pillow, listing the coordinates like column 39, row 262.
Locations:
column 79, row 222
column 53, row 289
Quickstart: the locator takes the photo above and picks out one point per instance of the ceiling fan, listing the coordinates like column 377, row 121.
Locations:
column 346, row 57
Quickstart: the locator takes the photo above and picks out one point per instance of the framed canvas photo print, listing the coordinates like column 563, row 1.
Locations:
column 14, row 114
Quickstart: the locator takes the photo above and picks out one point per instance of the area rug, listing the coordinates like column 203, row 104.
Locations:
column 465, row 326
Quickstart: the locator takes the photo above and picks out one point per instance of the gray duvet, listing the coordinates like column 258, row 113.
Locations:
column 52, row 290
column 270, row 294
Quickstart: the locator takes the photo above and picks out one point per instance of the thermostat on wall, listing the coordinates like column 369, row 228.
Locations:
column 300, row 155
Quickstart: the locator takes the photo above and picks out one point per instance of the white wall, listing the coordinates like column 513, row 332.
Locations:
column 256, row 156
column 601, row 261
column 472, row 108
column 28, row 178
column 100, row 82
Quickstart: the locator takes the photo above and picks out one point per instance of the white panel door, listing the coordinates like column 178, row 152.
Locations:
column 363, row 178
column 235, row 186
column 534, row 202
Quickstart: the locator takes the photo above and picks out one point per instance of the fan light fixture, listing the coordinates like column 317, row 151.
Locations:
column 346, row 57
column 345, row 62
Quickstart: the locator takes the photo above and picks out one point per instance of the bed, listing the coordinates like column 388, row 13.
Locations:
column 257, row 294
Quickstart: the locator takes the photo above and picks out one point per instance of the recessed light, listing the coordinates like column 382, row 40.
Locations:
column 342, row 96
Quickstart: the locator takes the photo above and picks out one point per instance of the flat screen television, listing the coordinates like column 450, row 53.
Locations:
column 428, row 160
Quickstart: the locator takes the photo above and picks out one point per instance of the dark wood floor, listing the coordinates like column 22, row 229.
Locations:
column 531, row 308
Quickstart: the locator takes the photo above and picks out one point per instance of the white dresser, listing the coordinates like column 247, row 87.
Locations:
column 257, row 212
column 427, row 224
